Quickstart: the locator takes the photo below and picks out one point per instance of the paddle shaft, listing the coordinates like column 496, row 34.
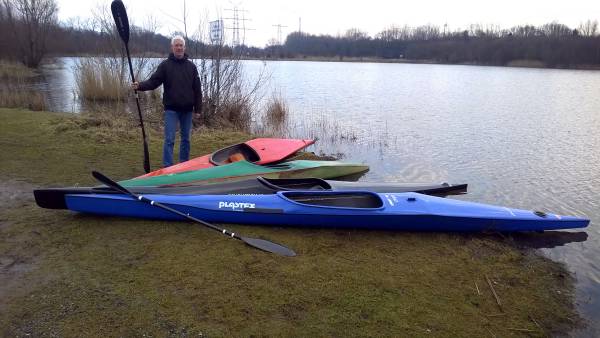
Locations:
column 253, row 242
column 188, row 216
column 137, row 102
column 122, row 22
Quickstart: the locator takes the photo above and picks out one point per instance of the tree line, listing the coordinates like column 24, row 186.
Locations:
column 554, row 44
column 29, row 30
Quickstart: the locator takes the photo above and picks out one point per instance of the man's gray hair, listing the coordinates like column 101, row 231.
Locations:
column 177, row 37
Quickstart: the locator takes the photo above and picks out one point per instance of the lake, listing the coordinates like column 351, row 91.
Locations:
column 524, row 138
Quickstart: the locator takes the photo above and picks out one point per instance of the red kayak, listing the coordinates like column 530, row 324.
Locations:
column 258, row 151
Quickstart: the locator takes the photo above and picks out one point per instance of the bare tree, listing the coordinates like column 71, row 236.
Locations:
column 526, row 31
column 31, row 22
column 394, row 33
column 426, row 32
column 588, row 28
column 228, row 97
column 484, row 31
column 356, row 34
column 556, row 30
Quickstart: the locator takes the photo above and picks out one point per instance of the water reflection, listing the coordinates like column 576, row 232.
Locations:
column 57, row 82
column 548, row 239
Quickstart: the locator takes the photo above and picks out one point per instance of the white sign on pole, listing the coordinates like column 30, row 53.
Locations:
column 216, row 31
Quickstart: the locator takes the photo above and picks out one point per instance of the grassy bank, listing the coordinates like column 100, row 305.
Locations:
column 77, row 275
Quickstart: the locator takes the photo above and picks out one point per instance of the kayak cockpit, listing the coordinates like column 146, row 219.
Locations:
column 234, row 153
column 282, row 184
column 337, row 199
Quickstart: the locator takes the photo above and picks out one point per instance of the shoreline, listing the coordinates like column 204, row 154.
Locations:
column 512, row 64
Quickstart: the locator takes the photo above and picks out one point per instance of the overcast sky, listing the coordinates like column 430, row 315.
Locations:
column 336, row 16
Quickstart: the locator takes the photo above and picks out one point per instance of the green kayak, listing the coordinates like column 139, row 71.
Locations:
column 244, row 169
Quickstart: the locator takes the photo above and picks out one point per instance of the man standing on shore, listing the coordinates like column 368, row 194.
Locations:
column 182, row 96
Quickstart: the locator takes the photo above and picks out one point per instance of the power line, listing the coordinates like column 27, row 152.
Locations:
column 279, row 34
column 238, row 24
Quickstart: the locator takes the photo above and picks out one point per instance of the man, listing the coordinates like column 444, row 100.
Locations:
column 182, row 96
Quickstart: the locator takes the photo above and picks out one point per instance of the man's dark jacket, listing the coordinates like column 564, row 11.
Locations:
column 181, row 84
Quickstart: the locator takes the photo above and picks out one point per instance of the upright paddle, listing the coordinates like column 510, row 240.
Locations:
column 253, row 242
column 122, row 22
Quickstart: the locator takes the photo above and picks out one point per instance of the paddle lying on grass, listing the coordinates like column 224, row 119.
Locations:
column 120, row 15
column 253, row 242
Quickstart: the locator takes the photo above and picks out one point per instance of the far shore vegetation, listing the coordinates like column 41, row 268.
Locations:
column 65, row 274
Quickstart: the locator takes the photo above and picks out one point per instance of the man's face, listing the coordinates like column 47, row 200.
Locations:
column 178, row 48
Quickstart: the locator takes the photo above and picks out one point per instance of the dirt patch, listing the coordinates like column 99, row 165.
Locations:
column 13, row 265
column 15, row 193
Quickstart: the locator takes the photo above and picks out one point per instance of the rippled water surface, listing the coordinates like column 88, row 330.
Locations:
column 525, row 138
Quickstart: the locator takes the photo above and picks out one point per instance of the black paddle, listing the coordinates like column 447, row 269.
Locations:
column 253, row 242
column 122, row 22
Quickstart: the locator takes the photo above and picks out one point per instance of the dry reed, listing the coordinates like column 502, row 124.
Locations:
column 277, row 110
column 234, row 113
column 18, row 97
column 14, row 92
column 100, row 79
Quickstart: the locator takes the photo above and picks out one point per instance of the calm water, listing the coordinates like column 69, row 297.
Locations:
column 525, row 138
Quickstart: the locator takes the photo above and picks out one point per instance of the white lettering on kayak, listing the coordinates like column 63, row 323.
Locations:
column 236, row 205
column 389, row 200
column 510, row 211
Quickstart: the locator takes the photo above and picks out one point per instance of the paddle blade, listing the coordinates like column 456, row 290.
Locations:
column 120, row 15
column 268, row 246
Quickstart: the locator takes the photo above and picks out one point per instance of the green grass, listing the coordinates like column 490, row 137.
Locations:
column 97, row 276
column 58, row 149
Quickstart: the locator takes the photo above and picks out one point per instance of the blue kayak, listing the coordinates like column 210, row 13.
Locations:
column 335, row 209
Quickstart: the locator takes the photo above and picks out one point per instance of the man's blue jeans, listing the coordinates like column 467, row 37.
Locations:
column 185, row 121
